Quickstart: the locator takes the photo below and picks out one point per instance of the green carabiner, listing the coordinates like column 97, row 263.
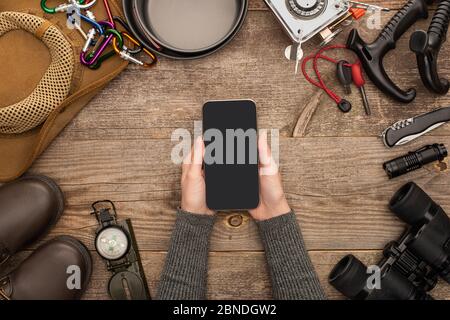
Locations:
column 59, row 8
column 117, row 34
column 47, row 9
column 107, row 55
column 54, row 10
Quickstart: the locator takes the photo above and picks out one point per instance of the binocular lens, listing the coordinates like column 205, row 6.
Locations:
column 349, row 277
column 411, row 203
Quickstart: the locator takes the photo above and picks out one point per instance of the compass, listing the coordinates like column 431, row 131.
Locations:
column 307, row 9
column 116, row 244
column 112, row 243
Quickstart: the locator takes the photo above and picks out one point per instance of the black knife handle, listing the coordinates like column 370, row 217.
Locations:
column 419, row 125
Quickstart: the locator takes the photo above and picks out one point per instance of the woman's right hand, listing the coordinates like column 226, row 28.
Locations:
column 273, row 202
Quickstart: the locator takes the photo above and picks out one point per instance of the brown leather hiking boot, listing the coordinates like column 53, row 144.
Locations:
column 58, row 270
column 28, row 207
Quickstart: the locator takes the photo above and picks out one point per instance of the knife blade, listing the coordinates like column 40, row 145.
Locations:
column 405, row 131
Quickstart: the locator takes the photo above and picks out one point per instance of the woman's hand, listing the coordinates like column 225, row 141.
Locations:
column 273, row 202
column 193, row 190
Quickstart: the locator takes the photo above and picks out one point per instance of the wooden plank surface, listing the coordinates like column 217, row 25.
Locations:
column 336, row 185
column 234, row 275
column 150, row 104
column 119, row 148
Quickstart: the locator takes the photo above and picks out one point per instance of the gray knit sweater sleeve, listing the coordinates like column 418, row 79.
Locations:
column 186, row 268
column 291, row 270
column 185, row 272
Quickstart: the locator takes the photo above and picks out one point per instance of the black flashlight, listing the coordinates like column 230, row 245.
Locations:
column 415, row 160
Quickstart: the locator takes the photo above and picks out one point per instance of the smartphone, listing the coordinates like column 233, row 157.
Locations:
column 231, row 155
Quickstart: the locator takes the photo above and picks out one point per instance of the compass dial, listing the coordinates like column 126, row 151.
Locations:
column 307, row 8
column 112, row 243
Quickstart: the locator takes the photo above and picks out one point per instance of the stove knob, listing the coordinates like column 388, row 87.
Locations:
column 307, row 8
column 305, row 5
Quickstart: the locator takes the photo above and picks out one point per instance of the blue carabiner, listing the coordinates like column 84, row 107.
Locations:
column 94, row 23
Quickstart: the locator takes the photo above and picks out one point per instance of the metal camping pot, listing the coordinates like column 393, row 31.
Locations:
column 185, row 29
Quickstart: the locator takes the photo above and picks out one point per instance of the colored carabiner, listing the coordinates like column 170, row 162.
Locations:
column 66, row 6
column 122, row 23
column 112, row 53
column 125, row 25
column 110, row 33
column 94, row 23
column 100, row 60
column 60, row 8
column 90, row 37
column 82, row 5
column 86, row 58
column 76, row 25
column 126, row 55
column 89, row 18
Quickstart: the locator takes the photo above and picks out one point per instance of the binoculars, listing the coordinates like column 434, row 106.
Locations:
column 410, row 266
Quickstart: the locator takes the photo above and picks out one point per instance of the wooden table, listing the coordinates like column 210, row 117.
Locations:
column 119, row 148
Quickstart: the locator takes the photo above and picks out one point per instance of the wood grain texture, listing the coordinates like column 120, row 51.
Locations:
column 119, row 148
column 244, row 277
column 150, row 104
column 336, row 186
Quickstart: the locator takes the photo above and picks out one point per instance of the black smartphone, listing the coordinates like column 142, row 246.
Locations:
column 231, row 155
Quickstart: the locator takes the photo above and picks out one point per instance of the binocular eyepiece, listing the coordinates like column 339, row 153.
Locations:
column 412, row 205
column 410, row 266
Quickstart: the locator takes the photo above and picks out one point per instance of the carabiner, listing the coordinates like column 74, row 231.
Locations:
column 109, row 55
column 60, row 8
column 112, row 53
column 89, row 39
column 100, row 60
column 110, row 33
column 76, row 25
column 93, row 31
column 80, row 5
column 122, row 23
column 66, row 6
column 125, row 25
column 94, row 23
column 126, row 55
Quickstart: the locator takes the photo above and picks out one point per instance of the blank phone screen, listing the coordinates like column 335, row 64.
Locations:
column 231, row 155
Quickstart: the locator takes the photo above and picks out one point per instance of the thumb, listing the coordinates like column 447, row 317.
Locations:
column 198, row 154
column 268, row 167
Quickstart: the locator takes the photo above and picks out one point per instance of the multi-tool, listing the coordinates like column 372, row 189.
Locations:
column 405, row 131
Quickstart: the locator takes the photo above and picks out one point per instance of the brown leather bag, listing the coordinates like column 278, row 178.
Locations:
column 42, row 83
